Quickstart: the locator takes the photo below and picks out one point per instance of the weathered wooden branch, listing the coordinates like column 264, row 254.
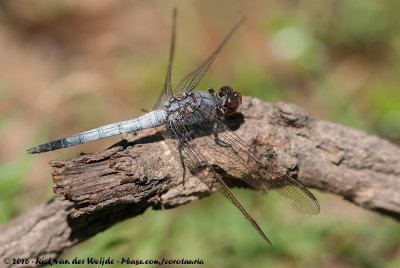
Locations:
column 99, row 190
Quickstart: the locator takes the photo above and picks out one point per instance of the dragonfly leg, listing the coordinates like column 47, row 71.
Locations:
column 217, row 139
column 183, row 164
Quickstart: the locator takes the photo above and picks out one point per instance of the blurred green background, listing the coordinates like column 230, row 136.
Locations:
column 68, row 66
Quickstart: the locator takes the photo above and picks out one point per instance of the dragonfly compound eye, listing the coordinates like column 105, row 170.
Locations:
column 232, row 102
column 225, row 91
column 238, row 97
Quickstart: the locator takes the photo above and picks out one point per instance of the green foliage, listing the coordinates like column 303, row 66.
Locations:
column 11, row 184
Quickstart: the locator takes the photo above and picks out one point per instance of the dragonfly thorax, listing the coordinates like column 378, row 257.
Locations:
column 184, row 107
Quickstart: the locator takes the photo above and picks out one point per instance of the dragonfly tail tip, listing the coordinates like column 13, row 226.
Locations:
column 32, row 150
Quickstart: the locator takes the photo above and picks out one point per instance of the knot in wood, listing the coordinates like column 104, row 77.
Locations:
column 288, row 114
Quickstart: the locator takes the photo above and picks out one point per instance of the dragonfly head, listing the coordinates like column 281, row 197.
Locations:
column 233, row 99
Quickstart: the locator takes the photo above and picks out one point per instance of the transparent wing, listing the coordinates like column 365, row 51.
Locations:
column 190, row 82
column 193, row 153
column 265, row 177
column 166, row 93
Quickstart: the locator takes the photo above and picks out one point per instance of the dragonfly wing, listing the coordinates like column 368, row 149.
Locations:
column 193, row 153
column 265, row 177
column 190, row 82
column 166, row 93
column 302, row 199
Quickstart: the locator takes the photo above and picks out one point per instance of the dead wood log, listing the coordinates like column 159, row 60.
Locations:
column 95, row 191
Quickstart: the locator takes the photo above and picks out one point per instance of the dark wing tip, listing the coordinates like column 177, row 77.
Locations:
column 254, row 223
column 316, row 208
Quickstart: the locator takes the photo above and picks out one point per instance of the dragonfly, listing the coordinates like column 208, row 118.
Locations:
column 187, row 114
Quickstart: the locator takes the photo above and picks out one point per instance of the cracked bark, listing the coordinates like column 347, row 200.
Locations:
column 95, row 191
